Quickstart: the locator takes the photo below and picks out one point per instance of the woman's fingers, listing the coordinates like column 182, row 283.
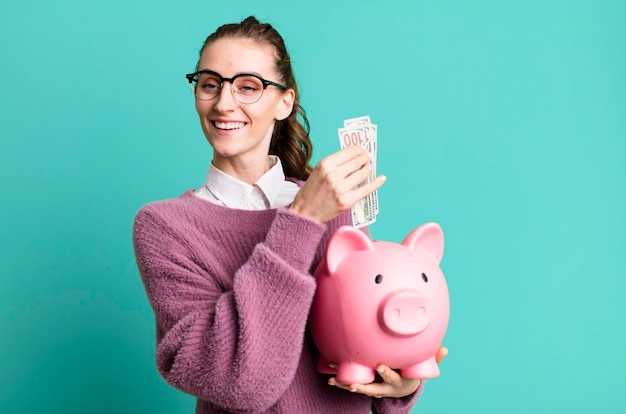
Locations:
column 357, row 192
column 335, row 185
column 393, row 385
column 342, row 164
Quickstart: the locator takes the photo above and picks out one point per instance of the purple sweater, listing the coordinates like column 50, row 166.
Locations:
column 231, row 291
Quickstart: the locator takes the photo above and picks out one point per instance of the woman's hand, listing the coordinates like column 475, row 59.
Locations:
column 332, row 187
column 393, row 384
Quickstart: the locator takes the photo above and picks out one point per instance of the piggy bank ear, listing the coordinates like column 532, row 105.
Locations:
column 344, row 241
column 427, row 237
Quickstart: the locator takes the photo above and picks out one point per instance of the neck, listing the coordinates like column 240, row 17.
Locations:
column 248, row 172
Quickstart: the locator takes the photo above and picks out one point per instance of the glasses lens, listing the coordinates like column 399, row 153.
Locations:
column 207, row 86
column 248, row 89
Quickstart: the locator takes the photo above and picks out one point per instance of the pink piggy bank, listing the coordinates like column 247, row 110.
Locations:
column 379, row 302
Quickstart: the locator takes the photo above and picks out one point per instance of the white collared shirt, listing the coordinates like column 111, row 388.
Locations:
column 270, row 191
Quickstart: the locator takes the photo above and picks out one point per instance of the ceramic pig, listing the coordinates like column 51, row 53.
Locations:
column 380, row 302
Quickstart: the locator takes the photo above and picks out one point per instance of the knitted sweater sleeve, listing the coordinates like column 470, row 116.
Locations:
column 237, row 348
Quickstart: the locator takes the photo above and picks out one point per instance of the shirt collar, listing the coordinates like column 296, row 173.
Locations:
column 272, row 181
column 235, row 193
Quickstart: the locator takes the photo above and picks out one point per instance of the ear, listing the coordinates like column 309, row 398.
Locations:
column 344, row 241
column 428, row 237
column 285, row 104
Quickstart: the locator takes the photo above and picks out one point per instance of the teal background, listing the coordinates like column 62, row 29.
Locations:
column 503, row 121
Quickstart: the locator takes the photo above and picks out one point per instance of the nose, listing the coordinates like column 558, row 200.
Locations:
column 404, row 313
column 225, row 100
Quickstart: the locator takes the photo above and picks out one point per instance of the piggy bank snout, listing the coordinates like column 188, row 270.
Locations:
column 404, row 313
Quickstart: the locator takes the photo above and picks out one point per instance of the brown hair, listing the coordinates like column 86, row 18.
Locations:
column 290, row 139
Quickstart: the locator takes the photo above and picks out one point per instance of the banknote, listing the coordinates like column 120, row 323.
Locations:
column 361, row 131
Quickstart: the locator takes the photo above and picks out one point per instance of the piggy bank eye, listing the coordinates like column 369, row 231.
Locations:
column 378, row 279
column 424, row 277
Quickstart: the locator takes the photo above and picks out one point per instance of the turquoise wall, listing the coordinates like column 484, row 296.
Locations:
column 503, row 121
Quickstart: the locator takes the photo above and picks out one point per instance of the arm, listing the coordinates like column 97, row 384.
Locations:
column 222, row 344
column 239, row 346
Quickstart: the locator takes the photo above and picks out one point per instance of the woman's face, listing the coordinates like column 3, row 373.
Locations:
column 240, row 134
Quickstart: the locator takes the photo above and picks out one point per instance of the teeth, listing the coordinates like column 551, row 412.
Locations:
column 229, row 125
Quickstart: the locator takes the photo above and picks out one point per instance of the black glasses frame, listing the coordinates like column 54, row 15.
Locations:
column 193, row 77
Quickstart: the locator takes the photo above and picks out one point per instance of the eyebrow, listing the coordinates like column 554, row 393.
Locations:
column 236, row 74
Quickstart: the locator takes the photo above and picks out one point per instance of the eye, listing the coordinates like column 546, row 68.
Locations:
column 378, row 279
column 209, row 85
column 249, row 88
column 248, row 85
column 208, row 80
column 424, row 277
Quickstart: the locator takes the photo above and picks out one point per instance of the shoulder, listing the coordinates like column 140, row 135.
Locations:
column 166, row 207
column 184, row 199
column 176, row 224
column 171, row 213
column 190, row 215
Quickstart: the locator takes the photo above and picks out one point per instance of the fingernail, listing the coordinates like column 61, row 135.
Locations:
column 381, row 370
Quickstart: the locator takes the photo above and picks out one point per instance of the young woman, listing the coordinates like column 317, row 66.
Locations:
column 227, row 267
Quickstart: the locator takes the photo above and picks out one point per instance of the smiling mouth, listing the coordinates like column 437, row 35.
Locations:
column 228, row 125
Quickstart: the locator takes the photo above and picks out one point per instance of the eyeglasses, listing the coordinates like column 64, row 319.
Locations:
column 247, row 87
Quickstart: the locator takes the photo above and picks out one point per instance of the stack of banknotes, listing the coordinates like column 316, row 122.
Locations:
column 361, row 131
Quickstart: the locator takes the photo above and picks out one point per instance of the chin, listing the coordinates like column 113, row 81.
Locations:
column 225, row 151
